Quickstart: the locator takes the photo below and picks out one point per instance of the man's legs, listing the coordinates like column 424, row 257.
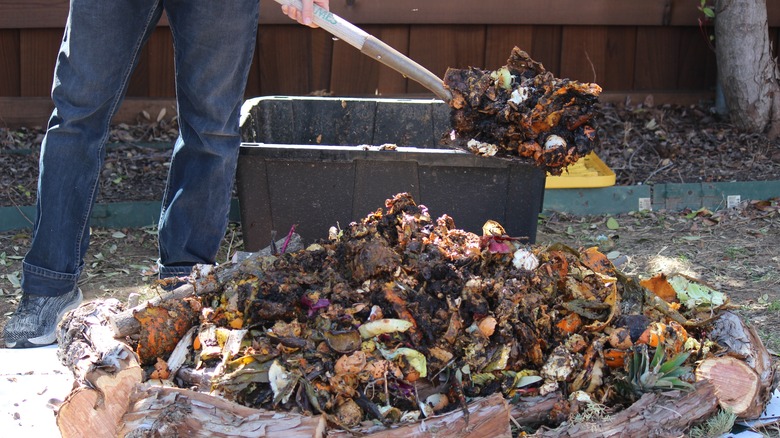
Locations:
column 214, row 43
column 98, row 53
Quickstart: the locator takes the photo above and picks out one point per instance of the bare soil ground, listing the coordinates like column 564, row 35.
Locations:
column 732, row 250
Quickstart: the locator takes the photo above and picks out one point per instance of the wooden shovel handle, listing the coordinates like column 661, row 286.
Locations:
column 375, row 48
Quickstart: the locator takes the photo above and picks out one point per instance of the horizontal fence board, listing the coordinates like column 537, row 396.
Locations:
column 294, row 60
column 34, row 111
column 22, row 14
column 314, row 48
column 18, row 14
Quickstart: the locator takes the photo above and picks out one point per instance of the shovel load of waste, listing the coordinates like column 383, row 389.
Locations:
column 522, row 110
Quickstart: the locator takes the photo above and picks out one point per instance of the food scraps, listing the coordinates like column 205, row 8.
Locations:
column 523, row 111
column 400, row 316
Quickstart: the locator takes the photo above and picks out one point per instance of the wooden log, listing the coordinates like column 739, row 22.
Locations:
column 124, row 324
column 488, row 417
column 743, row 378
column 106, row 371
column 204, row 279
column 160, row 411
column 653, row 415
column 201, row 281
column 533, row 411
column 181, row 412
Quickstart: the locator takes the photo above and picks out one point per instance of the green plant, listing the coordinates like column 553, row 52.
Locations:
column 734, row 252
column 715, row 426
column 706, row 9
column 591, row 412
column 648, row 375
column 24, row 191
column 708, row 12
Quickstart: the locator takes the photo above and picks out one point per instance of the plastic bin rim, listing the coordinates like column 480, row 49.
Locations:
column 254, row 100
column 424, row 156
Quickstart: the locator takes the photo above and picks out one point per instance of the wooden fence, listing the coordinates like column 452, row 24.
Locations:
column 629, row 47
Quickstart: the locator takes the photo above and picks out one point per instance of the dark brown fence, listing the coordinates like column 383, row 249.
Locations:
column 629, row 47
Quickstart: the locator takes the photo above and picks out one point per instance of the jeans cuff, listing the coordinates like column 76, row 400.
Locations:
column 173, row 271
column 41, row 281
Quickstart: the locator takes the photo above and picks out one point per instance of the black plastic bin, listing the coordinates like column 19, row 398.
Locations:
column 316, row 162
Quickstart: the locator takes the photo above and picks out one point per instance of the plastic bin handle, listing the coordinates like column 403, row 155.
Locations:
column 375, row 48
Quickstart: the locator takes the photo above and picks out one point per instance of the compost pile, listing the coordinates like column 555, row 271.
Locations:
column 522, row 110
column 399, row 317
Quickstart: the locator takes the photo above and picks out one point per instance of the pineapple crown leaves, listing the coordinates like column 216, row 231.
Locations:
column 647, row 375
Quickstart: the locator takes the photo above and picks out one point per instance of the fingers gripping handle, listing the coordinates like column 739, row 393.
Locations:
column 375, row 48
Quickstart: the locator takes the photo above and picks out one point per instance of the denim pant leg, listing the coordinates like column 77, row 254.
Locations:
column 213, row 47
column 99, row 51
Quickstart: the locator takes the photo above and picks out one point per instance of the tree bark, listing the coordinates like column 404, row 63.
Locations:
column 747, row 72
column 106, row 371
column 488, row 417
column 174, row 412
column 653, row 415
column 181, row 412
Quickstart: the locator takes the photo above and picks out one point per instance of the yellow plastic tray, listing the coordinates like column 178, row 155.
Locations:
column 588, row 172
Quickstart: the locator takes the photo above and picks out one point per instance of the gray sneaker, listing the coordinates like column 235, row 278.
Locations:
column 34, row 322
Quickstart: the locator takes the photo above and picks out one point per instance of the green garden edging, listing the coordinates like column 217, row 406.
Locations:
column 673, row 197
column 114, row 215
column 578, row 202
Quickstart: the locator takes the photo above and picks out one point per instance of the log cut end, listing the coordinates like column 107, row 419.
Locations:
column 736, row 385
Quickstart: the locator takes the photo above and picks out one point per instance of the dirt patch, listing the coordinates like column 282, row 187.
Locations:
column 734, row 250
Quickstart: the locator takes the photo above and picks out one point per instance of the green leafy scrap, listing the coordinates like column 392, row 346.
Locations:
column 693, row 294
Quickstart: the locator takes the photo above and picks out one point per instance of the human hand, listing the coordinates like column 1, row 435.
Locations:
column 306, row 16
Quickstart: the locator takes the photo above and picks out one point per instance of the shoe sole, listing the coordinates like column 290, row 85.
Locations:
column 48, row 338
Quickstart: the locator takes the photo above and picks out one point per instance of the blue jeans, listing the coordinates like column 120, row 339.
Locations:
column 213, row 45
